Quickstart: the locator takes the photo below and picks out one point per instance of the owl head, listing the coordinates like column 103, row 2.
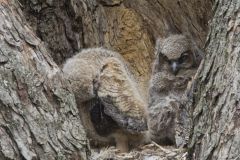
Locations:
column 178, row 52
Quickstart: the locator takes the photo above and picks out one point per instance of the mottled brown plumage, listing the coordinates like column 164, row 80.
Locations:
column 109, row 101
column 177, row 59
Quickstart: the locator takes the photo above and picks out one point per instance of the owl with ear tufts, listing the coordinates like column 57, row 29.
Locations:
column 176, row 62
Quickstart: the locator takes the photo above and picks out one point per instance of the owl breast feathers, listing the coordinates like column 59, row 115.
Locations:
column 177, row 60
column 108, row 98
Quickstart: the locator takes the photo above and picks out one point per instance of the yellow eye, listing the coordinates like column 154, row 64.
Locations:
column 184, row 57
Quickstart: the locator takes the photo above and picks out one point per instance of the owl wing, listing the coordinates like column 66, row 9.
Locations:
column 120, row 97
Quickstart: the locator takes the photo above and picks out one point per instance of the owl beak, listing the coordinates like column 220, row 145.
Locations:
column 175, row 67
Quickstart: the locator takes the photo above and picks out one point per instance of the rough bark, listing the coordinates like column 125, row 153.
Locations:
column 38, row 114
column 39, row 118
column 127, row 26
column 216, row 102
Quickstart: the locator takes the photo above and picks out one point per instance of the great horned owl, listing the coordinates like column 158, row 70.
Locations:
column 109, row 102
column 177, row 60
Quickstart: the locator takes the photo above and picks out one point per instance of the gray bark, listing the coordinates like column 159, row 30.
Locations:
column 216, row 131
column 39, row 118
column 38, row 115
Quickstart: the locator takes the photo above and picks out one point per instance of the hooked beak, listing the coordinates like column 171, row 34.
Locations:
column 175, row 67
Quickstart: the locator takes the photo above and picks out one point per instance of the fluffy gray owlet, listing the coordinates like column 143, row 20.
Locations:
column 177, row 60
column 110, row 105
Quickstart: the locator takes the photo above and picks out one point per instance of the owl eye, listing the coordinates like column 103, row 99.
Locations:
column 184, row 57
column 165, row 58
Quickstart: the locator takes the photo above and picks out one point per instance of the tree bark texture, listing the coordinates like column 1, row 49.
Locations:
column 216, row 129
column 38, row 115
column 39, row 118
column 129, row 27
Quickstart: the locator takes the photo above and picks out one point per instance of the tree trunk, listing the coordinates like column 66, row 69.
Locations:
column 39, row 118
column 38, row 114
column 216, row 102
